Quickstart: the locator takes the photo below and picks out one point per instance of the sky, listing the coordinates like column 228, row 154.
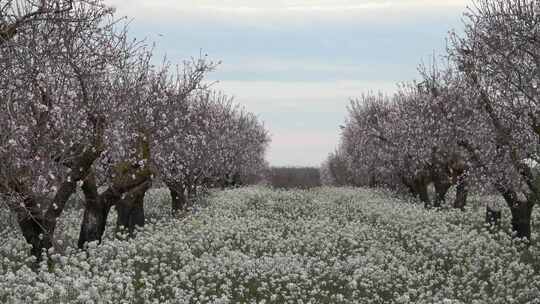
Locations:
column 296, row 64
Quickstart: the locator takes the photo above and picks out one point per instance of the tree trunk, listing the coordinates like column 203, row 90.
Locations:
column 96, row 211
column 94, row 222
column 440, row 176
column 418, row 189
column 131, row 212
column 409, row 185
column 441, row 189
column 98, row 206
column 179, row 201
column 462, row 192
column 521, row 219
column 38, row 232
column 420, row 186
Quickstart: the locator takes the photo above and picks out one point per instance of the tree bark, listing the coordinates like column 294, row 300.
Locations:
column 462, row 191
column 96, row 212
column 421, row 189
column 441, row 189
column 94, row 222
column 131, row 211
column 97, row 206
column 521, row 219
column 420, row 186
column 38, row 232
column 179, row 201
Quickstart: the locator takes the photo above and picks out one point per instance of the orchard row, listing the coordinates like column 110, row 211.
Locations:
column 472, row 121
column 82, row 105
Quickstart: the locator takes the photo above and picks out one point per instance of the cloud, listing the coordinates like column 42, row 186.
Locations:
column 296, row 63
column 272, row 14
column 250, row 6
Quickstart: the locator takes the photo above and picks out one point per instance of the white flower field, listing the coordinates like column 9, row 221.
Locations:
column 255, row 245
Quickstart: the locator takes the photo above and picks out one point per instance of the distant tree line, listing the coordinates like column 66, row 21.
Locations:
column 473, row 119
column 294, row 177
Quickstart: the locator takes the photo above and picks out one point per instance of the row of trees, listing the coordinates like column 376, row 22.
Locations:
column 82, row 105
column 473, row 119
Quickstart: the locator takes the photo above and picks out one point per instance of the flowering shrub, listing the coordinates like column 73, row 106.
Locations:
column 255, row 245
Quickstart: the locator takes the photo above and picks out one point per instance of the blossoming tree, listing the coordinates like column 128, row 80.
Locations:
column 56, row 99
column 499, row 55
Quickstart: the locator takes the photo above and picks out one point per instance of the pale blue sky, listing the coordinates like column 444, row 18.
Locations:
column 296, row 63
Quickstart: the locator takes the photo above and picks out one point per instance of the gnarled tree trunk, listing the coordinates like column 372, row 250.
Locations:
column 441, row 189
column 418, row 187
column 521, row 219
column 131, row 182
column 38, row 231
column 179, row 199
column 94, row 221
column 462, row 192
column 96, row 211
column 131, row 210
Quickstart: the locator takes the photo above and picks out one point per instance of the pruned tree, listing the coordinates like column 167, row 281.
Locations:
column 207, row 140
column 145, row 95
column 411, row 138
column 366, row 130
column 56, row 99
column 499, row 55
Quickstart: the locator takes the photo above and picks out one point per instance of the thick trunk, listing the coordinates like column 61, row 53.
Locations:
column 409, row 185
column 520, row 209
column 462, row 192
column 440, row 177
column 98, row 206
column 521, row 219
column 418, row 187
column 96, row 211
column 441, row 189
column 38, row 232
column 131, row 212
column 421, row 190
column 179, row 201
column 94, row 222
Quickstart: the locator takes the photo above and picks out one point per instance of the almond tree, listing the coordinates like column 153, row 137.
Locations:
column 442, row 115
column 202, row 141
column 499, row 55
column 182, row 145
column 335, row 170
column 366, row 139
column 382, row 142
column 411, row 138
column 126, row 172
column 15, row 15
column 56, row 99
column 241, row 155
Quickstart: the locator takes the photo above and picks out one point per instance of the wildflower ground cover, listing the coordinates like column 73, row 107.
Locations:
column 256, row 245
